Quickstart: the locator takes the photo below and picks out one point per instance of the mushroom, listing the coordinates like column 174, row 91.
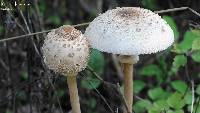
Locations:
column 66, row 51
column 129, row 32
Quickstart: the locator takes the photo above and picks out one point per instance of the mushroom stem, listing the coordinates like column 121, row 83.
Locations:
column 128, row 86
column 128, row 62
column 73, row 91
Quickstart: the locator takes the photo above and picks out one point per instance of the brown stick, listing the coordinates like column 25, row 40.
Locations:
column 74, row 98
column 128, row 86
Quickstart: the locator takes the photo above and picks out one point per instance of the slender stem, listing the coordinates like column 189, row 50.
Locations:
column 74, row 98
column 128, row 86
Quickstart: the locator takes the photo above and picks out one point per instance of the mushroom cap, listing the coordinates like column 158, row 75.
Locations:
column 129, row 31
column 65, row 50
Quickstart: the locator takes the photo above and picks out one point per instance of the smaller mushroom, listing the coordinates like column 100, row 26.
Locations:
column 66, row 51
column 129, row 32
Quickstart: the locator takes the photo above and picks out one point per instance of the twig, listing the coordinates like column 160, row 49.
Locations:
column 197, row 105
column 90, row 83
column 36, row 33
column 192, row 106
column 94, row 73
column 84, row 24
column 124, row 100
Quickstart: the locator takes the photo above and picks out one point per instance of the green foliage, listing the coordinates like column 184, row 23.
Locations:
column 96, row 61
column 91, row 103
column 24, row 76
column 60, row 93
column 198, row 89
column 161, row 105
column 172, row 24
column 176, row 101
column 92, row 83
column 157, row 93
column 150, row 4
column 138, row 86
column 179, row 61
column 54, row 19
column 151, row 70
column 196, row 56
column 185, row 45
column 141, row 106
column 196, row 44
column 179, row 86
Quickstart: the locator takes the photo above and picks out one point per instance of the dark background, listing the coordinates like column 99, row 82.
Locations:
column 26, row 86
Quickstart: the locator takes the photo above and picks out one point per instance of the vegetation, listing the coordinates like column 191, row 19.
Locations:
column 167, row 82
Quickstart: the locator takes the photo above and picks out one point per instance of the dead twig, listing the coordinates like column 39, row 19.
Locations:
column 84, row 24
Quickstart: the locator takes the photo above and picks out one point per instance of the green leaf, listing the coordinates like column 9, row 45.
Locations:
column 198, row 89
column 151, row 70
column 138, row 86
column 54, row 19
column 149, row 4
column 157, row 93
column 176, row 111
column 90, row 84
column 187, row 42
column 24, row 76
column 179, row 61
column 176, row 101
column 91, row 102
column 196, row 56
column 196, row 44
column 161, row 105
column 154, row 110
column 141, row 106
column 188, row 98
column 96, row 61
column 60, row 93
column 172, row 24
column 179, row 85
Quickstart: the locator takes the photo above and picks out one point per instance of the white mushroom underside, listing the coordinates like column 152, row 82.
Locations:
column 129, row 31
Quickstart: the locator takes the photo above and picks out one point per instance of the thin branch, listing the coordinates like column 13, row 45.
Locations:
column 84, row 24
column 36, row 33
column 192, row 106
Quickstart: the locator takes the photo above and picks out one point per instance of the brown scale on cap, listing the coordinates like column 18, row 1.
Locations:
column 128, row 13
column 69, row 32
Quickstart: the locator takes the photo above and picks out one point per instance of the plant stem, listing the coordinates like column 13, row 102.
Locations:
column 128, row 86
column 74, row 98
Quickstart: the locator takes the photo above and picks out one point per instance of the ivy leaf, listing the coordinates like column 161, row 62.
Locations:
column 141, row 106
column 176, row 111
column 196, row 56
column 196, row 44
column 157, row 93
column 161, row 105
column 172, row 24
column 188, row 98
column 176, row 101
column 179, row 86
column 187, row 42
column 151, row 70
column 96, row 61
column 138, row 86
column 179, row 60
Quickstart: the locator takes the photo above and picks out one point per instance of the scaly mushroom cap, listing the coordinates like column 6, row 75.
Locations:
column 129, row 31
column 65, row 50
